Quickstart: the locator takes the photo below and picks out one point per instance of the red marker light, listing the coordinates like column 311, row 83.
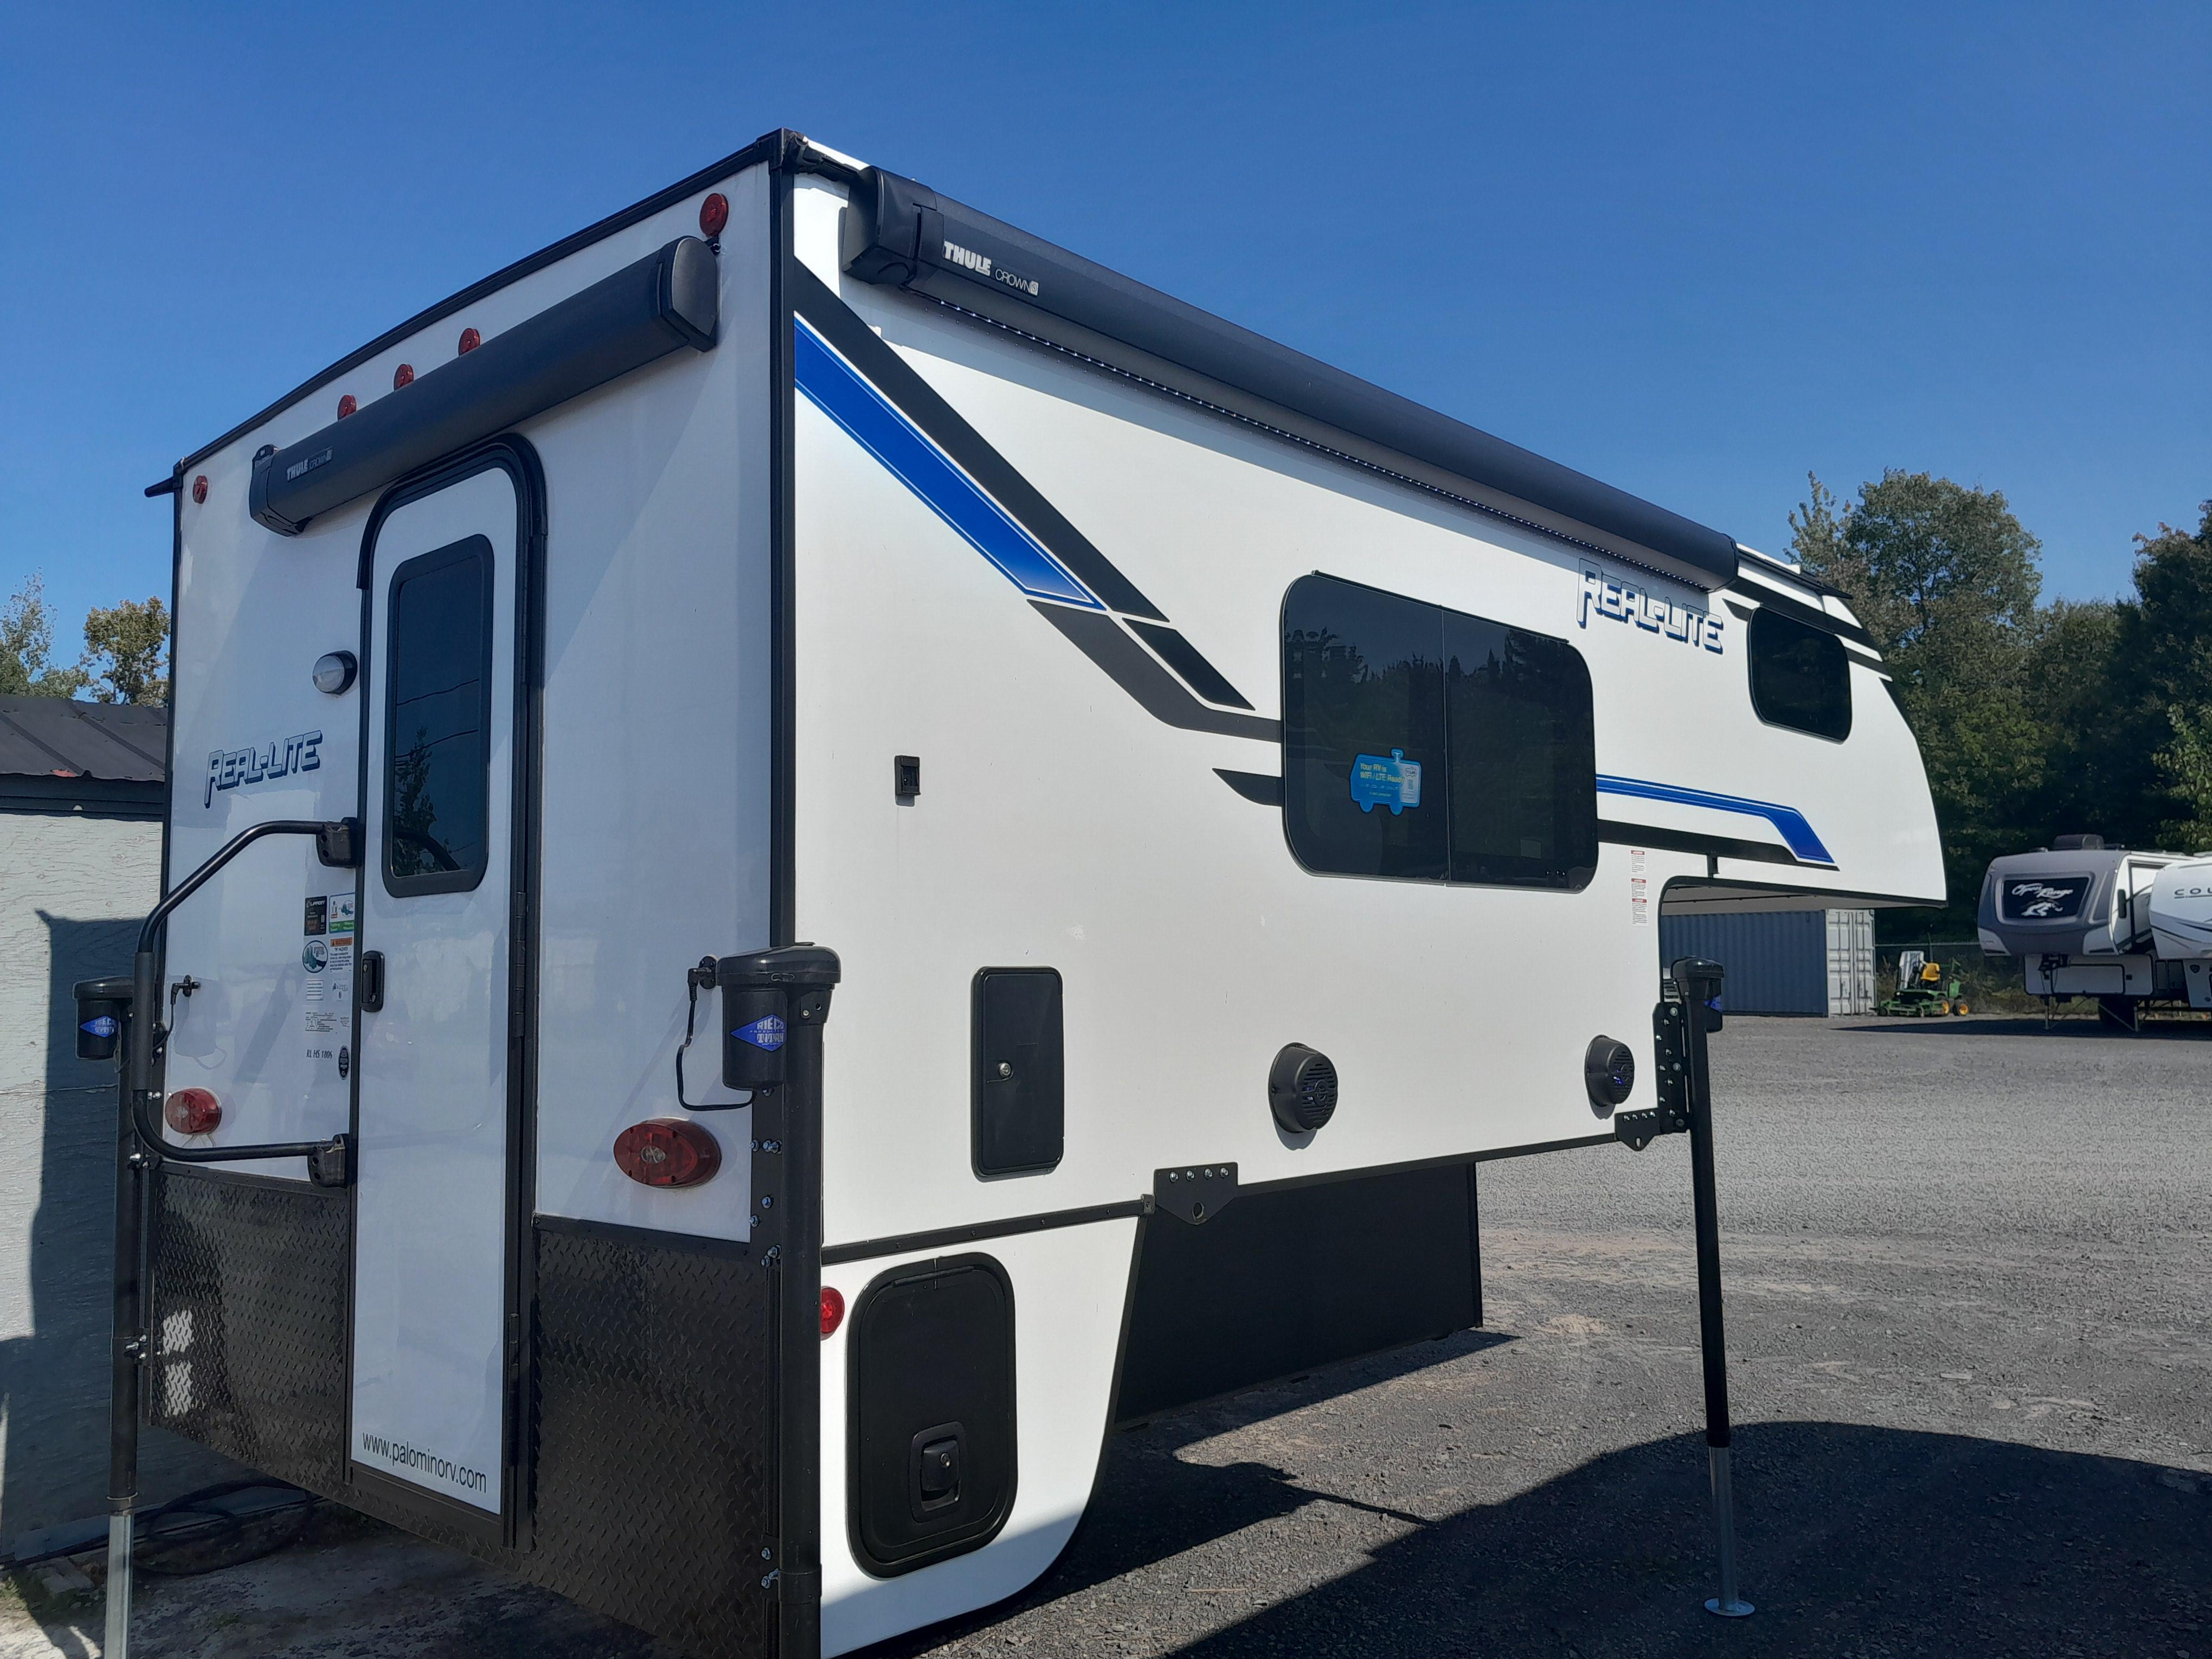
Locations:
column 713, row 214
column 833, row 1310
column 191, row 1111
column 199, row 490
column 667, row 1151
column 470, row 340
column 346, row 405
column 402, row 376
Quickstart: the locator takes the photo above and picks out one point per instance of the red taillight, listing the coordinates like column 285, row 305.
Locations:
column 347, row 405
column 713, row 214
column 667, row 1151
column 199, row 490
column 469, row 340
column 192, row 1111
column 402, row 376
column 833, row 1310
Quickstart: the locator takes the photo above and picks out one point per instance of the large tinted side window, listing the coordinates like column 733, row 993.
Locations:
column 1799, row 676
column 1424, row 742
column 1523, row 756
column 1363, row 731
column 437, row 754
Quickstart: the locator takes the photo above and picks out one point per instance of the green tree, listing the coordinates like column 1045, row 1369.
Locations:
column 27, row 645
column 2160, row 718
column 126, row 653
column 1945, row 579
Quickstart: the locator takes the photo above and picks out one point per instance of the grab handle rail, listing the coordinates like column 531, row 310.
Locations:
column 337, row 844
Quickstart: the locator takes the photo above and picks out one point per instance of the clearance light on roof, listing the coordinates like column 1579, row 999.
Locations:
column 714, row 215
column 667, row 1151
column 401, row 375
column 833, row 1310
column 470, row 340
column 192, row 1111
column 199, row 490
column 347, row 405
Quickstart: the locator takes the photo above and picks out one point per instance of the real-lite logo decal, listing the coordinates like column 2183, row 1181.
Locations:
column 231, row 768
column 968, row 259
column 1624, row 600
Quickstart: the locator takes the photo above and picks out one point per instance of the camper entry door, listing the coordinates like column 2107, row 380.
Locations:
column 431, row 1221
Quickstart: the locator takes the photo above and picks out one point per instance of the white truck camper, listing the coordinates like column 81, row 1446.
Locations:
column 1178, row 752
column 2132, row 929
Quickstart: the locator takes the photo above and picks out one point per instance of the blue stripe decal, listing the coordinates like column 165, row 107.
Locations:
column 872, row 421
column 1796, row 834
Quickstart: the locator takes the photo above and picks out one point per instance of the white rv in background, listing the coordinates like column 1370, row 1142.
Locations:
column 2127, row 928
column 1229, row 803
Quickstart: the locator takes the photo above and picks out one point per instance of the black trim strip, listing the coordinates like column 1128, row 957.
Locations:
column 298, row 1186
column 1180, row 654
column 669, row 300
column 1797, row 611
column 1612, row 832
column 901, row 234
column 840, row 324
column 644, row 1237
column 782, row 145
column 906, row 1244
column 1133, row 668
column 1261, row 788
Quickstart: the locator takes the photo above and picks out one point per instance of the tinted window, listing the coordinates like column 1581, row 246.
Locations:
column 437, row 759
column 1423, row 743
column 1523, row 756
column 1799, row 676
column 1363, row 731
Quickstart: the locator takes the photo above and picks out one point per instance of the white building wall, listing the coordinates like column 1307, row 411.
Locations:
column 72, row 890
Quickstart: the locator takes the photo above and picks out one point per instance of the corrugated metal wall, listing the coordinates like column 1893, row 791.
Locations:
column 1783, row 962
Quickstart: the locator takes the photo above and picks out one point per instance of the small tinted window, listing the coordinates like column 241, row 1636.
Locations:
column 1799, row 676
column 1426, row 743
column 437, row 759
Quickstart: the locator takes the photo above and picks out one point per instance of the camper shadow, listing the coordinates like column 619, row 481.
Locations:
column 1855, row 1541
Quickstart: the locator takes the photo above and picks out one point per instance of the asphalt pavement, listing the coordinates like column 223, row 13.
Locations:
column 1969, row 1272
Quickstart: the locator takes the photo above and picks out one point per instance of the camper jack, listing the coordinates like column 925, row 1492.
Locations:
column 1258, row 705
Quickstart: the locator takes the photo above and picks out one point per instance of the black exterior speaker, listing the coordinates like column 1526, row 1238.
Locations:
column 1301, row 1089
column 1609, row 1073
column 931, row 1382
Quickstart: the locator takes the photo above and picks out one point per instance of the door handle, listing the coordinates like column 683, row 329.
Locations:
column 370, row 994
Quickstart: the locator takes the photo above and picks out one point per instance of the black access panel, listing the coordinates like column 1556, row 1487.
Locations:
column 1018, row 1089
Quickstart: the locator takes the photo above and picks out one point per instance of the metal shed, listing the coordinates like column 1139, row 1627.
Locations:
column 1783, row 962
column 81, row 791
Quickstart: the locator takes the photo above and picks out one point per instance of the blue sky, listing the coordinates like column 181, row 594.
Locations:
column 1695, row 250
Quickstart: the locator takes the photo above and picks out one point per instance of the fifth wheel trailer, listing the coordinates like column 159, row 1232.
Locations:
column 2127, row 926
column 1230, row 802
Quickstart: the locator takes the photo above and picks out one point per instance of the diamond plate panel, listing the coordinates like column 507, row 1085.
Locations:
column 249, row 1298
column 654, row 1431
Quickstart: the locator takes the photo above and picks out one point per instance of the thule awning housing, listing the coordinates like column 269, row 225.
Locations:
column 900, row 234
column 663, row 302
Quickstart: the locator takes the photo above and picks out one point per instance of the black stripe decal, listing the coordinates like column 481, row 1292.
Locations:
column 840, row 324
column 1180, row 654
column 1130, row 666
column 1683, row 840
column 906, row 1244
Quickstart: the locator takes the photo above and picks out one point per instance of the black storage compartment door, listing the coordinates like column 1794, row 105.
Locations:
column 931, row 1414
column 1019, row 1087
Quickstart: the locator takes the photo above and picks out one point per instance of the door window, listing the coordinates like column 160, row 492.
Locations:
column 437, row 752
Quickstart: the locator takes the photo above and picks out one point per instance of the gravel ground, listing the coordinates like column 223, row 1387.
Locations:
column 1968, row 1298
